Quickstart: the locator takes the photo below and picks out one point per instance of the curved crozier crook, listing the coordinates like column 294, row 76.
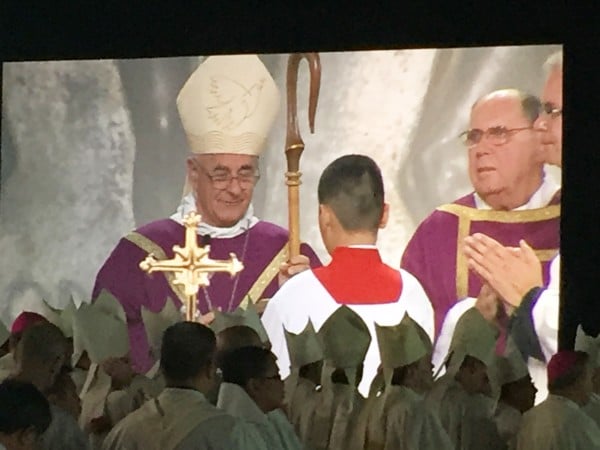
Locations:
column 293, row 138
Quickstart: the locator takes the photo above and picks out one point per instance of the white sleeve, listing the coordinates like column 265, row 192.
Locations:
column 545, row 312
column 443, row 341
column 273, row 323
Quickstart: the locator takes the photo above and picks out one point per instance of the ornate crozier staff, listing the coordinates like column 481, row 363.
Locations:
column 294, row 145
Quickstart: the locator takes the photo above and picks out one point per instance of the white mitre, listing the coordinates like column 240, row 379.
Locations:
column 228, row 105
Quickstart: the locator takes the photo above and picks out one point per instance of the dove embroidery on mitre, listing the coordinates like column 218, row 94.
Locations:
column 234, row 102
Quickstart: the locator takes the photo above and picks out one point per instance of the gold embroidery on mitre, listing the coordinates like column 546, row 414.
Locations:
column 467, row 214
column 234, row 102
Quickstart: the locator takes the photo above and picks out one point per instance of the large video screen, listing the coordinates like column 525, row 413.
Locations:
column 92, row 149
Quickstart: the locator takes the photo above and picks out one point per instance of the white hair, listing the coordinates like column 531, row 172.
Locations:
column 554, row 62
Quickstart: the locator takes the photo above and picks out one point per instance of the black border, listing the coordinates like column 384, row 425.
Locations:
column 45, row 32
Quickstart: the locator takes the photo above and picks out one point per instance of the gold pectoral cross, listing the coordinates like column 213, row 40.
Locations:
column 191, row 265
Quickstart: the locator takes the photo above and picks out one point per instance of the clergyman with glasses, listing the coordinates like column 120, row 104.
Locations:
column 512, row 200
column 517, row 275
column 227, row 108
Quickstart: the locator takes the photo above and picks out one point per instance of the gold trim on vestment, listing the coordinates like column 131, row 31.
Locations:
column 467, row 214
column 152, row 247
column 521, row 216
column 462, row 267
column 255, row 292
column 546, row 255
column 265, row 278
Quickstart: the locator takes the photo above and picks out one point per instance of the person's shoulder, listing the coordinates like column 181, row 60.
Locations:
column 460, row 204
column 217, row 418
column 298, row 286
column 162, row 230
column 159, row 227
column 466, row 200
column 409, row 281
column 63, row 429
column 299, row 281
column 440, row 215
column 215, row 433
column 267, row 229
column 135, row 418
column 411, row 285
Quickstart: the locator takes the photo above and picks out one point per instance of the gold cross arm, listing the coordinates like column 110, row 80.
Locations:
column 191, row 265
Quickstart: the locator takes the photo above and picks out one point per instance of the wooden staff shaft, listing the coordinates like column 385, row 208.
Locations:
column 294, row 143
column 293, row 183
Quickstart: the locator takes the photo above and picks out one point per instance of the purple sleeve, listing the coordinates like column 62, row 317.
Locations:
column 413, row 258
column 414, row 261
column 121, row 276
column 307, row 250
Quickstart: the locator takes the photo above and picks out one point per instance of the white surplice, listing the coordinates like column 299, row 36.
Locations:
column 303, row 297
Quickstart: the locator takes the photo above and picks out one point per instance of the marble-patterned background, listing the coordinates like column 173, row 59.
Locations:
column 92, row 149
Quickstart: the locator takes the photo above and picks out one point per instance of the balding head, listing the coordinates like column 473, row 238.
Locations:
column 530, row 104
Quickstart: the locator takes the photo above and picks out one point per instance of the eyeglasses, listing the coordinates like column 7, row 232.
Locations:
column 221, row 179
column 551, row 109
column 495, row 135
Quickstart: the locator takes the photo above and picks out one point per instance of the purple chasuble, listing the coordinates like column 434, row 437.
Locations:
column 122, row 277
column 434, row 258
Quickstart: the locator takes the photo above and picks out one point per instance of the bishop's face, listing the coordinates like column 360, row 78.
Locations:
column 223, row 185
column 508, row 170
column 550, row 124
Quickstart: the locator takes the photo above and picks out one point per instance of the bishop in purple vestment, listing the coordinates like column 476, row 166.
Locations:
column 227, row 108
column 513, row 200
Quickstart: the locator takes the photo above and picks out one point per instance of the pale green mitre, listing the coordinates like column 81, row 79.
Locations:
column 588, row 344
column 51, row 313
column 100, row 329
column 402, row 344
column 509, row 367
column 66, row 318
column 155, row 323
column 240, row 317
column 473, row 336
column 304, row 348
column 62, row 318
column 345, row 339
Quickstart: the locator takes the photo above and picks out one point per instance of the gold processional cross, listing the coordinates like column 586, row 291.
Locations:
column 191, row 265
